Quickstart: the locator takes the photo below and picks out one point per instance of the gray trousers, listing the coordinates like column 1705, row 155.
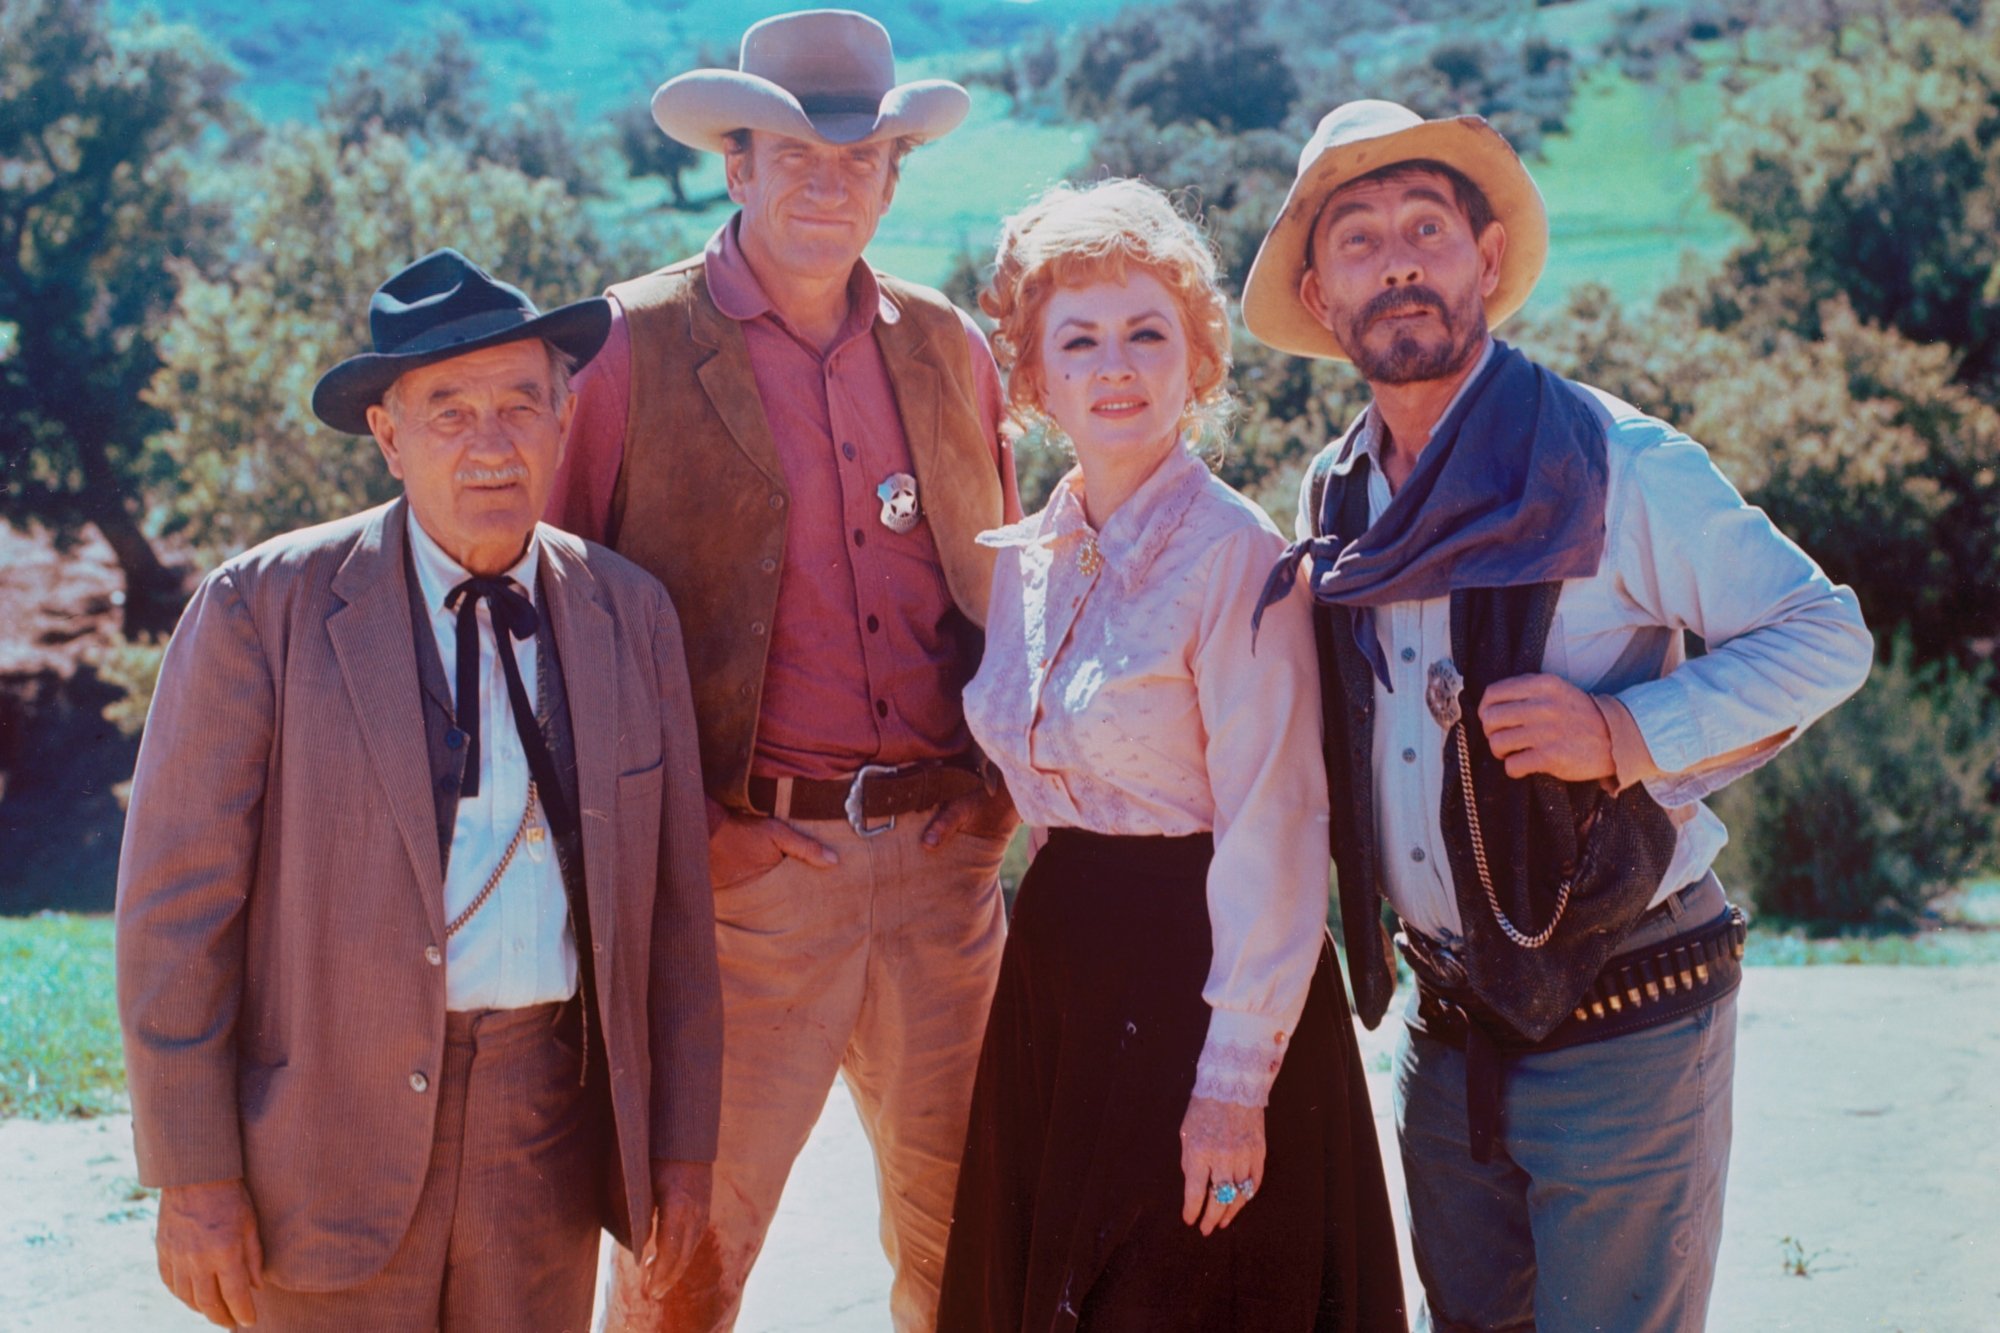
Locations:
column 505, row 1233
column 1601, row 1208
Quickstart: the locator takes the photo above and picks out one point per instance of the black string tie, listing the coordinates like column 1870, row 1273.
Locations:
column 514, row 614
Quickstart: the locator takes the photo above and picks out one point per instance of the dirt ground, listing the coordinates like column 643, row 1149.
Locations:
column 1864, row 1188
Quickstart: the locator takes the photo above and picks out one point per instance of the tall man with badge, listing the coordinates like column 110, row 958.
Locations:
column 1507, row 566
column 804, row 451
column 415, row 958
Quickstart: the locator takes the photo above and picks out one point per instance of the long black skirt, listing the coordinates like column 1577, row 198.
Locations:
column 1068, row 1212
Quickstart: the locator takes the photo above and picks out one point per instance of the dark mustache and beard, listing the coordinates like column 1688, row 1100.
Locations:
column 1409, row 358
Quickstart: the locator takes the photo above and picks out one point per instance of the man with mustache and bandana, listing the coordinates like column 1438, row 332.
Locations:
column 415, row 957
column 1506, row 567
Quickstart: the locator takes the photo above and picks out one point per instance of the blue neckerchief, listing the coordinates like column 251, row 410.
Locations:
column 1522, row 502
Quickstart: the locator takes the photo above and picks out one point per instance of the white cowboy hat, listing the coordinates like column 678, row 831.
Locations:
column 1353, row 140
column 815, row 74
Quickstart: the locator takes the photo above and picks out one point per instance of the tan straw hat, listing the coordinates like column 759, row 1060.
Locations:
column 825, row 74
column 1353, row 140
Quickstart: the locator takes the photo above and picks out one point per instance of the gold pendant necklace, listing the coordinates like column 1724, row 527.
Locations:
column 1088, row 558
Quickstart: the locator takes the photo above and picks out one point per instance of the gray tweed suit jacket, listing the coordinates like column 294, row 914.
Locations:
column 281, row 883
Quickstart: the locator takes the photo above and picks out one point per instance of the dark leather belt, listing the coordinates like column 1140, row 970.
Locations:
column 874, row 792
column 1639, row 989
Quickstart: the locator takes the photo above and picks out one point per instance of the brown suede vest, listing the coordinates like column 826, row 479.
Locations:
column 700, row 501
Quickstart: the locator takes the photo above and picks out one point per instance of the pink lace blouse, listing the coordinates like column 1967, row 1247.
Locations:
column 1120, row 694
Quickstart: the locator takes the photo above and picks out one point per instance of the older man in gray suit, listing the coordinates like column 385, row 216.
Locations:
column 416, row 958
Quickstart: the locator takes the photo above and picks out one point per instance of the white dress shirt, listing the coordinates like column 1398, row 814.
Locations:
column 1124, row 699
column 518, row 949
column 1682, row 552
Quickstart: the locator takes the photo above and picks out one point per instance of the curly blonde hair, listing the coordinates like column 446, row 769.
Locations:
column 1073, row 236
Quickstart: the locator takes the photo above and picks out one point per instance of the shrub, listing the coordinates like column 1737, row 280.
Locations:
column 1884, row 805
column 133, row 667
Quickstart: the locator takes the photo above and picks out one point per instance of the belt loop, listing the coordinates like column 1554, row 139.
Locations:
column 1677, row 902
column 781, row 803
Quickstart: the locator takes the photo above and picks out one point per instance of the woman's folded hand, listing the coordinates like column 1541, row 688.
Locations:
column 1222, row 1160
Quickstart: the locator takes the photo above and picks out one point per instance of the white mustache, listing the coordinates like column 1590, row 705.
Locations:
column 490, row 476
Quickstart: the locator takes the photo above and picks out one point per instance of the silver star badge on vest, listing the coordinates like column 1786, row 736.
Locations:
column 900, row 511
column 1441, row 691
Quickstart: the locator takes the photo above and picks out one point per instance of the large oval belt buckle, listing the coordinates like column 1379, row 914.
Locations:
column 900, row 510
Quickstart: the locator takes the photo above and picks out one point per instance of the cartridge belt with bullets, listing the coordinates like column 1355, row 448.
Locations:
column 1641, row 988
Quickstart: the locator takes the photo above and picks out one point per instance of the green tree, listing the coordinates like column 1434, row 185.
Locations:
column 327, row 221
column 1861, row 444
column 1522, row 86
column 1192, row 60
column 433, row 89
column 98, row 129
column 648, row 152
column 1877, row 170
column 1881, row 807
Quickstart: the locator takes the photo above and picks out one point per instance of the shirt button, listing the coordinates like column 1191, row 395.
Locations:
column 418, row 1083
column 873, row 624
column 433, row 955
column 1417, row 855
column 757, row 629
column 1409, row 756
column 777, row 500
column 1409, row 654
column 447, row 783
column 743, row 690
column 453, row 739
column 847, row 452
column 860, row 537
column 881, row 708
column 768, row 565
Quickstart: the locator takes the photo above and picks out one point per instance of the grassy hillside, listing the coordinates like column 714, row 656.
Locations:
column 1623, row 185
column 1623, row 188
column 597, row 51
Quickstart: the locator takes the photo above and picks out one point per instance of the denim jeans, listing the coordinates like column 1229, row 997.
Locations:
column 1601, row 1208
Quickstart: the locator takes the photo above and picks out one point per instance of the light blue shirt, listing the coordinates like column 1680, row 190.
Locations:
column 518, row 949
column 1682, row 552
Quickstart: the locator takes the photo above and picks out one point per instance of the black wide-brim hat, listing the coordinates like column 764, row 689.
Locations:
column 443, row 306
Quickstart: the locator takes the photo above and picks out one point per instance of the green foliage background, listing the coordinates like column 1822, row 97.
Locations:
column 1776, row 223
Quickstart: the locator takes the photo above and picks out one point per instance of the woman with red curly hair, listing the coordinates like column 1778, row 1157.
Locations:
column 1170, row 1128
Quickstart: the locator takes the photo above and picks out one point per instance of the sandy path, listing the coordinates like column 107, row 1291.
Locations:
column 1868, row 1129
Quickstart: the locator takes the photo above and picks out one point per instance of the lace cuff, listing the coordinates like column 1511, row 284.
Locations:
column 1238, row 1072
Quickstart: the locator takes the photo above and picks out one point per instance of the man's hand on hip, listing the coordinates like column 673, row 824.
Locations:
column 680, row 1211
column 209, row 1253
column 745, row 845
column 990, row 814
column 1544, row 724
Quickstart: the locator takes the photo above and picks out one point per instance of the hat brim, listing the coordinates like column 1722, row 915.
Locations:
column 1273, row 311
column 344, row 394
column 700, row 107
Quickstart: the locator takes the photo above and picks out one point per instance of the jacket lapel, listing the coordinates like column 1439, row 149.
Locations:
column 731, row 385
column 585, row 642
column 371, row 636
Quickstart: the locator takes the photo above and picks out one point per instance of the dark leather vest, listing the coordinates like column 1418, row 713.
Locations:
column 1538, row 831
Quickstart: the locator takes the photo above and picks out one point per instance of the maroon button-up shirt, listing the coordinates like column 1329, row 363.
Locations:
column 865, row 666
